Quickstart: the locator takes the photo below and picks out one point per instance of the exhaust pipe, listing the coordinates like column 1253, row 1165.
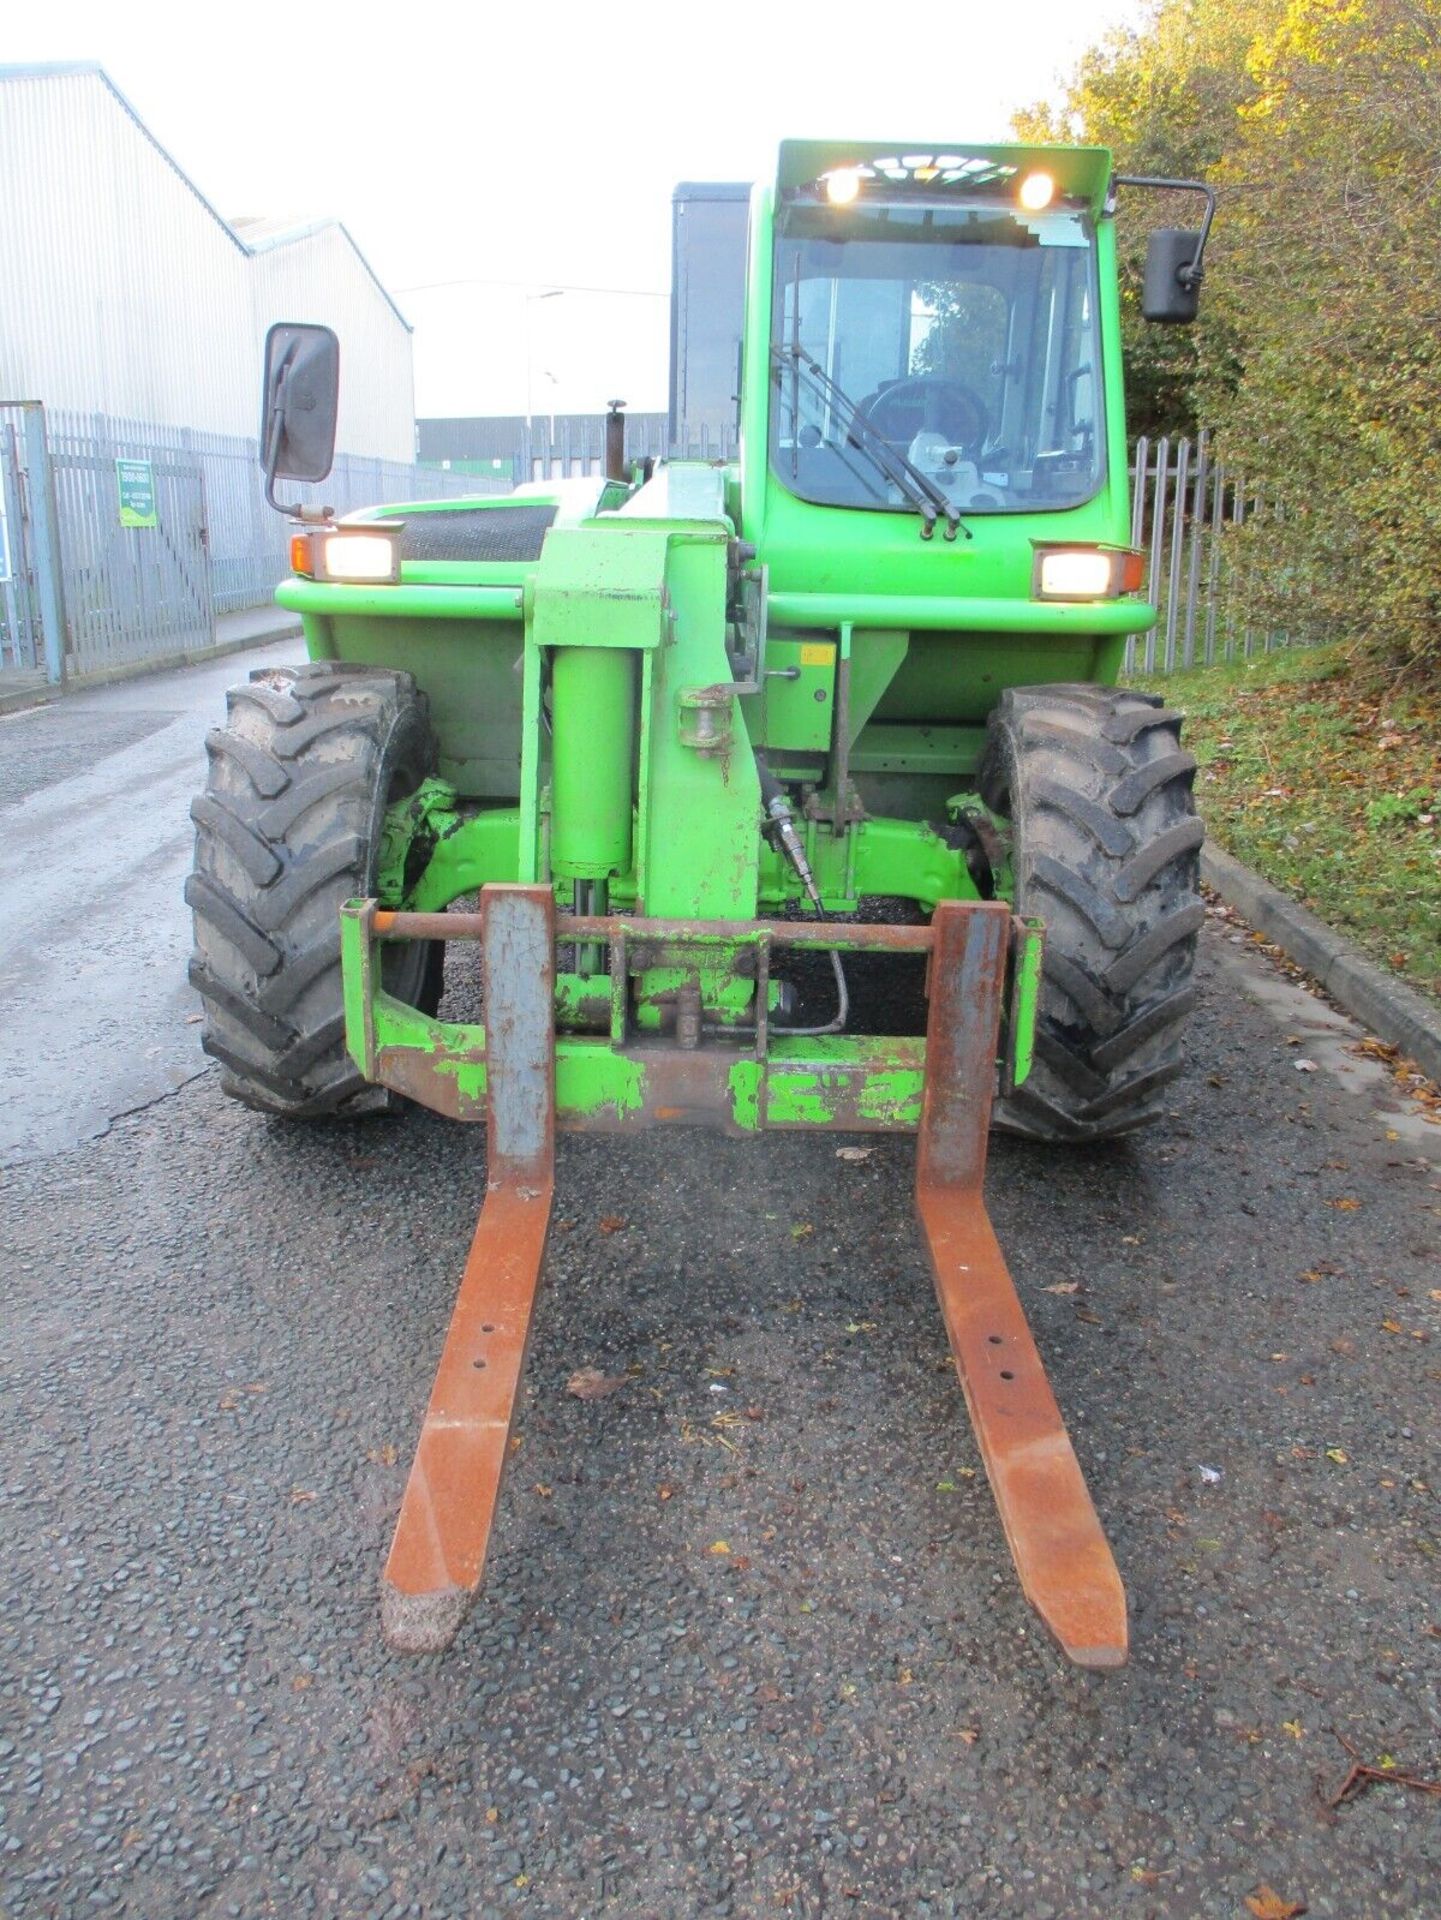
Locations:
column 615, row 442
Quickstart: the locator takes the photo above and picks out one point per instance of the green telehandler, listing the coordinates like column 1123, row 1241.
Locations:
column 702, row 738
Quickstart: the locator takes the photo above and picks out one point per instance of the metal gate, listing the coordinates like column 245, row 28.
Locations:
column 32, row 627
column 137, row 576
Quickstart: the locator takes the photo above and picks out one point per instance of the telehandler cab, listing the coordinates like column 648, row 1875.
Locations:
column 850, row 694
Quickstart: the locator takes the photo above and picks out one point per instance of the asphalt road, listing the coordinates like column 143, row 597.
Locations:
column 95, row 844
column 750, row 1641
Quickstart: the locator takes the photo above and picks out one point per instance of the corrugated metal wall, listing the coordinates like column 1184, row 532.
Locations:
column 321, row 277
column 125, row 294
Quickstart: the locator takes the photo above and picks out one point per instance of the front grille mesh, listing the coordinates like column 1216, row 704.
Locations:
column 477, row 533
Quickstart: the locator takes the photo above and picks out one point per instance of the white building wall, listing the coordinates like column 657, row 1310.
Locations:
column 122, row 293
column 321, row 277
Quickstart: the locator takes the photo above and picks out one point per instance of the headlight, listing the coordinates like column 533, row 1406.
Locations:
column 359, row 557
column 1086, row 573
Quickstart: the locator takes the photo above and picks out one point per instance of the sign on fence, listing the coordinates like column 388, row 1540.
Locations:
column 136, row 481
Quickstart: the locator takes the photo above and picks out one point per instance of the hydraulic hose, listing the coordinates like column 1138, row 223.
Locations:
column 782, row 824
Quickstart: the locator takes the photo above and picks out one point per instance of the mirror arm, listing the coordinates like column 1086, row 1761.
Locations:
column 1192, row 275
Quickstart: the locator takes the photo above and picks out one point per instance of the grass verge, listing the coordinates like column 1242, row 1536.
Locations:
column 1330, row 789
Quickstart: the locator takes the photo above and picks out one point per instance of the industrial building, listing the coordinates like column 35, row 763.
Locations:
column 128, row 296
column 132, row 331
column 545, row 446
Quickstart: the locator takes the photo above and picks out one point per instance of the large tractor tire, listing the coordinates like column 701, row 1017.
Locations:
column 287, row 829
column 1105, row 848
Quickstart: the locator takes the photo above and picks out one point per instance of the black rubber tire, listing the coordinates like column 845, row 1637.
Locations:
column 1105, row 848
column 287, row 829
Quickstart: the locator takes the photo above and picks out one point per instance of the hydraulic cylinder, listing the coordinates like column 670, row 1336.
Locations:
column 592, row 761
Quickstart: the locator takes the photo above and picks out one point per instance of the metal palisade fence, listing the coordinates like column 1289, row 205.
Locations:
column 120, row 541
column 1186, row 510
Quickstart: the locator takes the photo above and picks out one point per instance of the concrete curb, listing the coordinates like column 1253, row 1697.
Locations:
column 22, row 699
column 1401, row 1016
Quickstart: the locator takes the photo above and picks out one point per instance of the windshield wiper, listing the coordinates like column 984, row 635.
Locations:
column 929, row 501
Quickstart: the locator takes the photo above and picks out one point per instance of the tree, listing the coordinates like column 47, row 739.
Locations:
column 1333, row 279
column 1166, row 98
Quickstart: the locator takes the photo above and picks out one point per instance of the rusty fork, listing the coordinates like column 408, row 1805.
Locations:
column 438, row 1554
column 1065, row 1565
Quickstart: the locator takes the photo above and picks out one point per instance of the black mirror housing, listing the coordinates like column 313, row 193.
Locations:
column 1171, row 290
column 301, row 402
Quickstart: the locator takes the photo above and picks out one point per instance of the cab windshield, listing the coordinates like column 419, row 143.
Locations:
column 964, row 336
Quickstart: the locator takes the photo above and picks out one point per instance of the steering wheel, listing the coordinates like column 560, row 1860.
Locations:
column 929, row 400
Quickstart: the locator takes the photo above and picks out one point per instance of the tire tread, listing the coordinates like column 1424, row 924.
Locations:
column 1105, row 844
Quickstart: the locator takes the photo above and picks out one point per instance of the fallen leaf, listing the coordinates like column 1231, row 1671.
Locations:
column 1063, row 1286
column 860, row 1326
column 1294, row 1728
column 854, row 1153
column 589, row 1383
column 802, row 1230
column 610, row 1223
column 544, row 1491
column 719, row 1546
column 1266, row 1904
column 969, row 1734
column 381, row 1456
column 1344, row 1206
column 492, row 1814
column 665, row 1491
column 300, row 1495
column 1339, row 1455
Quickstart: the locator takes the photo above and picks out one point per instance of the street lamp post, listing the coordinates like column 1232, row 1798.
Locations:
column 550, row 293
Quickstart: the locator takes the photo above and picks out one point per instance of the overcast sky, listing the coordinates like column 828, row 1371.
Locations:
column 521, row 148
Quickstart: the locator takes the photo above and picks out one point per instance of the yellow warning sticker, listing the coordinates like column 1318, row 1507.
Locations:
column 817, row 653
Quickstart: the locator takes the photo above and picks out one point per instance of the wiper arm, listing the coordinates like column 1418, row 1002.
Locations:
column 924, row 495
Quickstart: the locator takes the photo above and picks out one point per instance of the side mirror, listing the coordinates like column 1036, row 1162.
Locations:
column 302, row 398
column 1171, row 290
